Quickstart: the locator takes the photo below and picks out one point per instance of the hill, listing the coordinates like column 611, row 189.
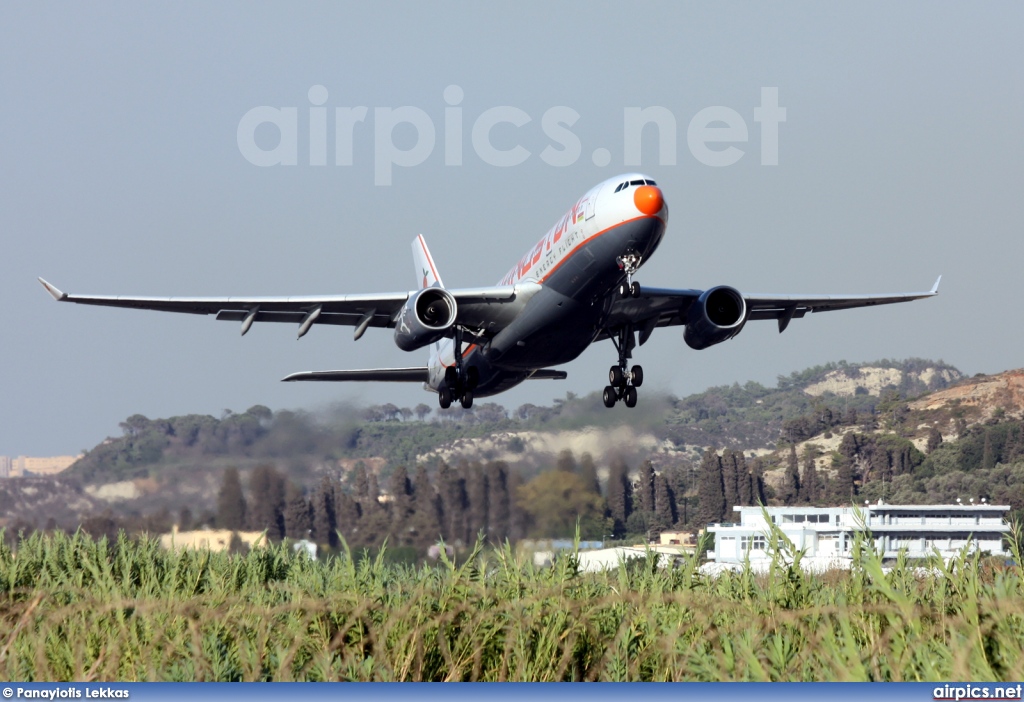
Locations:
column 913, row 429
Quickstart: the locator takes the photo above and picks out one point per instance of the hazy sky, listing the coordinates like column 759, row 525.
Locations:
column 901, row 158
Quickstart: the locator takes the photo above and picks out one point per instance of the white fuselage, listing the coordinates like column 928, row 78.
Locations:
column 560, row 277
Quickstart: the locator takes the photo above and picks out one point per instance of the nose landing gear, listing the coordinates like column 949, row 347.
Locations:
column 623, row 382
column 630, row 263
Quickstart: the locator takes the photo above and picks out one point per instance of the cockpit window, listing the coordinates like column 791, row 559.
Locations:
column 618, row 188
column 650, row 182
column 636, row 182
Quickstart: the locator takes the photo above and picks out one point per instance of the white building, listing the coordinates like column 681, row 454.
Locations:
column 827, row 532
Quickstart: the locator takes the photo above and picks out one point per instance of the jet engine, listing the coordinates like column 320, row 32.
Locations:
column 426, row 317
column 716, row 316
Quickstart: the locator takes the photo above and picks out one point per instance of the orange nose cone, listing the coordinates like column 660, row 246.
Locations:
column 648, row 199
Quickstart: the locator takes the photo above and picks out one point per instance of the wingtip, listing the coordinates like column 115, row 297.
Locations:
column 54, row 291
column 935, row 288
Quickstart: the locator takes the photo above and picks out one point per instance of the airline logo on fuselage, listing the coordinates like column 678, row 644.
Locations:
column 574, row 216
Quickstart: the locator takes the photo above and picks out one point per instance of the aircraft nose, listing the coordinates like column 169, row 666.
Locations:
column 648, row 199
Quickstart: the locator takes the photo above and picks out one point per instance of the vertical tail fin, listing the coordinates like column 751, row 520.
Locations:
column 426, row 271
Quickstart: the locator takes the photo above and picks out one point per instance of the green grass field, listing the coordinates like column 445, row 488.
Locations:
column 73, row 608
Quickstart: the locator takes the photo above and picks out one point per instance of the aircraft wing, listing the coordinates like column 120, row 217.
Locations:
column 661, row 307
column 475, row 307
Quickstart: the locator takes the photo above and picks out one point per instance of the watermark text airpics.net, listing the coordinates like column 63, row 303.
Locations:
column 711, row 134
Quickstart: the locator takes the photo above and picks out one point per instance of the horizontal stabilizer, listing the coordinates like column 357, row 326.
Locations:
column 392, row 375
column 544, row 374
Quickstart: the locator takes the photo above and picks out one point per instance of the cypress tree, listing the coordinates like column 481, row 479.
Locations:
column 710, row 490
column 645, row 489
column 566, row 461
column 843, row 488
column 426, row 518
column 297, row 517
column 499, row 502
column 619, row 494
column 266, row 487
column 361, row 486
column 988, row 455
column 324, row 514
column 476, row 490
column 588, row 471
column 374, row 522
column 347, row 519
column 517, row 518
column 791, row 481
column 744, row 481
column 665, row 503
column 401, row 503
column 231, row 502
column 934, row 439
column 730, row 480
column 758, row 496
column 453, row 503
column 810, row 488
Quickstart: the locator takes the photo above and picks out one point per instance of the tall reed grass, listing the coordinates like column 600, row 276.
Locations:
column 73, row 608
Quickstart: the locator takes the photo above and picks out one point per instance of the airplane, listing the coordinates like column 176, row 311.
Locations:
column 573, row 288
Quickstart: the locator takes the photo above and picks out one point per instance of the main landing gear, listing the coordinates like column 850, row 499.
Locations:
column 622, row 382
column 459, row 381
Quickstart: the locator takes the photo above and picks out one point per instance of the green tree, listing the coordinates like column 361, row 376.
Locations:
column 555, row 500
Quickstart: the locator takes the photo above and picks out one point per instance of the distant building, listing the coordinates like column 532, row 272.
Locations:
column 24, row 466
column 210, row 539
column 685, row 539
column 828, row 532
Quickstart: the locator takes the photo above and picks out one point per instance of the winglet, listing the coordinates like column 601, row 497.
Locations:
column 57, row 294
column 935, row 288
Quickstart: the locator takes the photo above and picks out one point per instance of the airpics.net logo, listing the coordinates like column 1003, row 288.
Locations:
column 712, row 134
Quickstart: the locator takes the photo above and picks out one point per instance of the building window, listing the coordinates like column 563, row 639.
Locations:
column 753, row 543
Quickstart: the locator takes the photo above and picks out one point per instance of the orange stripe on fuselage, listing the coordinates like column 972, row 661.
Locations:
column 569, row 255
column 576, row 248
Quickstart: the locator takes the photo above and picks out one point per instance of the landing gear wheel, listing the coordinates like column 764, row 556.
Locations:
column 444, row 397
column 630, row 396
column 467, row 399
column 451, row 376
column 637, row 376
column 625, row 290
column 616, row 377
column 609, row 396
column 634, row 289
column 472, row 377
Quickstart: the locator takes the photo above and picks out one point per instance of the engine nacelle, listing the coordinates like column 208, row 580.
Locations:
column 716, row 316
column 426, row 317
